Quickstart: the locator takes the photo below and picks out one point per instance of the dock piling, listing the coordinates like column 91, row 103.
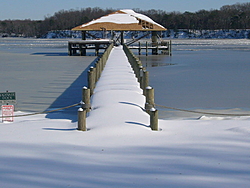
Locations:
column 86, row 99
column 154, row 119
column 82, row 119
column 91, row 79
column 145, row 81
column 149, row 99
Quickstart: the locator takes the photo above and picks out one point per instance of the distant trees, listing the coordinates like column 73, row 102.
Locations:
column 26, row 28
column 235, row 16
column 61, row 20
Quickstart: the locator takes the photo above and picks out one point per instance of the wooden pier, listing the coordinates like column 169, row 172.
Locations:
column 81, row 46
column 164, row 47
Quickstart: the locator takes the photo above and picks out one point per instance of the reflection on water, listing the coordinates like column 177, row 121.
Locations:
column 156, row 60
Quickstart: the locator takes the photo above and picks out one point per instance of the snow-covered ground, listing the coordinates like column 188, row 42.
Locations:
column 119, row 149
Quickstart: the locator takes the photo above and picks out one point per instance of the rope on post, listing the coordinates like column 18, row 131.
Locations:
column 44, row 112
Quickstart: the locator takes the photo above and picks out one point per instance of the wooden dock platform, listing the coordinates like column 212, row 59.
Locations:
column 158, row 48
column 80, row 46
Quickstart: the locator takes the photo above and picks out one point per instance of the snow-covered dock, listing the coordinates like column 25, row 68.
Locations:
column 118, row 97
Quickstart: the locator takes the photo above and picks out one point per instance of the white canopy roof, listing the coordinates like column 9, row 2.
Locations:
column 122, row 20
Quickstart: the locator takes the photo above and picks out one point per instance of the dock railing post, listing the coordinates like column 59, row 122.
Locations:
column 82, row 119
column 170, row 48
column 139, row 49
column 86, row 99
column 138, row 65
column 145, row 81
column 69, row 49
column 97, row 69
column 154, row 119
column 148, row 91
column 91, row 79
column 141, row 77
column 149, row 99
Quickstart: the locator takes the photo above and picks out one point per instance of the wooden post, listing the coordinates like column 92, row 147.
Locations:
column 149, row 99
column 145, row 81
column 141, row 77
column 170, row 48
column 74, row 47
column 112, row 35
column 137, row 66
column 86, row 99
column 146, row 48
column 139, row 49
column 81, row 119
column 101, row 63
column 91, row 79
column 83, row 47
column 122, row 37
column 97, row 49
column 69, row 49
column 154, row 119
column 154, row 43
column 97, row 70
column 80, row 50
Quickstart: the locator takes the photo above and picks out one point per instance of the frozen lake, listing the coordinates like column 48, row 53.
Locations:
column 201, row 74
column 41, row 73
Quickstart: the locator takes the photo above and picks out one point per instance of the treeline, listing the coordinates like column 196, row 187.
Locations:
column 227, row 17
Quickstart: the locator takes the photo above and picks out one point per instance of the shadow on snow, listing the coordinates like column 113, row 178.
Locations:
column 72, row 95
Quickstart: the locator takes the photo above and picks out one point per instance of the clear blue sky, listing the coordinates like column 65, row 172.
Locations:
column 38, row 9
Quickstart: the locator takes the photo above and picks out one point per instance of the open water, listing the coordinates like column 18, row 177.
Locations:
column 203, row 75
column 206, row 75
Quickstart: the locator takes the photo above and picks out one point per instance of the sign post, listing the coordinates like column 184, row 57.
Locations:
column 7, row 113
column 7, row 98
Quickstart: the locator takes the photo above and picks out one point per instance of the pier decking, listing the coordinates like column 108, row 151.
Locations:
column 118, row 92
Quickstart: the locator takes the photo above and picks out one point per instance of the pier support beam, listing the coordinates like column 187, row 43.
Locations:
column 122, row 37
column 154, row 43
column 82, row 48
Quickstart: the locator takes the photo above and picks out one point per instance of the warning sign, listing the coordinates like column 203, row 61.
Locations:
column 7, row 113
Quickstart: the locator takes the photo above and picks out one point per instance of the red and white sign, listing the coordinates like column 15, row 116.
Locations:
column 7, row 110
